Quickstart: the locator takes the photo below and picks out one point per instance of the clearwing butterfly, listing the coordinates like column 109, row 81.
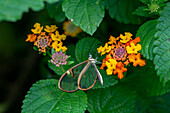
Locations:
column 82, row 76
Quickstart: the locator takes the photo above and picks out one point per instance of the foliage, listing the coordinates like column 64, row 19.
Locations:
column 12, row 11
column 142, row 89
column 162, row 45
column 44, row 96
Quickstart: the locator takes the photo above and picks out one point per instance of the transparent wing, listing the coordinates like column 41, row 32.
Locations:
column 68, row 81
column 87, row 77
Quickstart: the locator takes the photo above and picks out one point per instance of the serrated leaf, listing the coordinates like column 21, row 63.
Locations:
column 45, row 97
column 86, row 46
column 12, row 10
column 55, row 11
column 117, row 99
column 162, row 45
column 145, row 81
column 87, row 14
column 146, row 33
column 122, row 10
column 155, row 104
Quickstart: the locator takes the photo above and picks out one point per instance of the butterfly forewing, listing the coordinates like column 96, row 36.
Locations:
column 68, row 81
column 88, row 78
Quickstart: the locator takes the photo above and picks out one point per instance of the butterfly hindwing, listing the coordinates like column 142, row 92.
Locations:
column 87, row 77
column 68, row 81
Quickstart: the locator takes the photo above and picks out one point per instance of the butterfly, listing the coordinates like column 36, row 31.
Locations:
column 82, row 76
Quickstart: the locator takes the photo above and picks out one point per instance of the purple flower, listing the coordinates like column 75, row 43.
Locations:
column 59, row 58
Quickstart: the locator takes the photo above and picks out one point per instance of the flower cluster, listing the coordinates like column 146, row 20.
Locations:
column 59, row 58
column 70, row 29
column 48, row 38
column 121, row 51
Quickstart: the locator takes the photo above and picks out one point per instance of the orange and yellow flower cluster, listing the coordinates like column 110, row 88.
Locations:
column 70, row 29
column 50, row 37
column 121, row 51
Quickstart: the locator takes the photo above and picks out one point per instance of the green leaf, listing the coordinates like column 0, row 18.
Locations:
column 146, row 33
column 12, row 10
column 71, row 50
column 55, row 11
column 142, row 11
column 86, row 46
column 87, row 14
column 117, row 99
column 155, row 104
column 45, row 97
column 144, row 80
column 122, row 10
column 162, row 45
column 145, row 1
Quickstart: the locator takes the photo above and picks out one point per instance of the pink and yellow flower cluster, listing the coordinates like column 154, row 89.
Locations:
column 48, row 38
column 119, row 52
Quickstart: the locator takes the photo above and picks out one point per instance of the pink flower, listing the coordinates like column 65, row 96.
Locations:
column 59, row 58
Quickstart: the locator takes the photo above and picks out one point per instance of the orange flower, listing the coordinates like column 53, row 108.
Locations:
column 126, row 62
column 120, row 69
column 70, row 29
column 31, row 37
column 120, row 51
column 136, row 59
column 113, row 40
column 42, row 42
column 135, row 41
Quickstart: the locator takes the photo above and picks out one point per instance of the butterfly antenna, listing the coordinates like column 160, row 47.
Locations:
column 99, row 62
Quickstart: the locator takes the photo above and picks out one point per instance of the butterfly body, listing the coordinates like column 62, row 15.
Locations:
column 73, row 80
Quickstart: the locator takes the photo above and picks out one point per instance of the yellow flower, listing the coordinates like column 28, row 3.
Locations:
column 50, row 29
column 125, row 38
column 100, row 49
column 104, row 49
column 55, row 36
column 111, row 65
column 133, row 48
column 62, row 37
column 113, row 40
column 37, row 29
column 64, row 48
column 70, row 29
column 57, row 45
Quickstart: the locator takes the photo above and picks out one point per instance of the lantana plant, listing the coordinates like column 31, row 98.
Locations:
column 120, row 52
column 47, row 40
